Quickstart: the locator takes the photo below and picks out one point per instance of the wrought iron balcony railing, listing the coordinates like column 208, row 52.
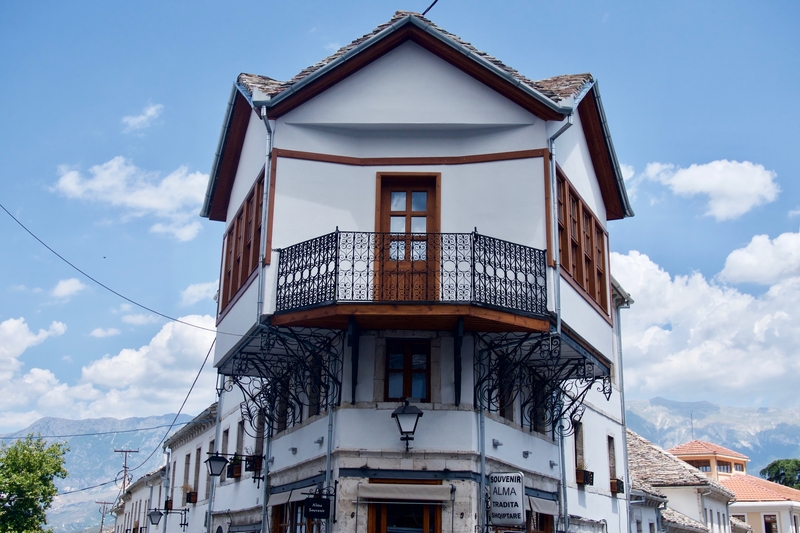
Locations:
column 454, row 268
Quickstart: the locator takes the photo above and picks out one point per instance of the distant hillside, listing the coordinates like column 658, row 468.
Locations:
column 762, row 434
column 92, row 461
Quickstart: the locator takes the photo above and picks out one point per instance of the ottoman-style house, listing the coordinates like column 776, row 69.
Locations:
column 417, row 328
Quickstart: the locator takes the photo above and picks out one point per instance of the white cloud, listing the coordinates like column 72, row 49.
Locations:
column 733, row 188
column 174, row 199
column 197, row 292
column 631, row 180
column 149, row 380
column 140, row 319
column 687, row 336
column 101, row 333
column 332, row 47
column 143, row 120
column 67, row 288
column 16, row 337
column 763, row 260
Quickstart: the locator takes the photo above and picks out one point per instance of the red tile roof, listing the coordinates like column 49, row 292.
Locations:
column 701, row 447
column 754, row 489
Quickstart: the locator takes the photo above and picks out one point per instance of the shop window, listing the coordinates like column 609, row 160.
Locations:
column 288, row 518
column 538, row 522
column 408, row 370
column 405, row 518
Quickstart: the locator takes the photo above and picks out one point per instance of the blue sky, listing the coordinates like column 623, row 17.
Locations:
column 111, row 115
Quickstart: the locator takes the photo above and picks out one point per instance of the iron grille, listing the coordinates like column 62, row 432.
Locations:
column 358, row 267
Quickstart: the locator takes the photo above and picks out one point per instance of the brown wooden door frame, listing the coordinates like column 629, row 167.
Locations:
column 407, row 270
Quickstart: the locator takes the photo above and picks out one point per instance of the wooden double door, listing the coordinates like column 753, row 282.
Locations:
column 407, row 244
column 408, row 517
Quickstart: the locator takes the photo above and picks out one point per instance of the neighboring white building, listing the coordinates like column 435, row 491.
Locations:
column 136, row 501
column 696, row 503
column 411, row 219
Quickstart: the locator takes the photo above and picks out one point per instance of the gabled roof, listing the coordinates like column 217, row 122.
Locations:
column 737, row 526
column 653, row 465
column 754, row 489
column 679, row 522
column 550, row 99
column 701, row 447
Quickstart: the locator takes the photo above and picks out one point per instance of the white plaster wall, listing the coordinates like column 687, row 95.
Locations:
column 410, row 85
column 684, row 500
column 582, row 317
column 647, row 515
column 239, row 318
column 251, row 161
column 504, row 199
column 572, row 153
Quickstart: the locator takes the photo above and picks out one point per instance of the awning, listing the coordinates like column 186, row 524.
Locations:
column 279, row 498
column 298, row 494
column 245, row 527
column 392, row 491
column 538, row 505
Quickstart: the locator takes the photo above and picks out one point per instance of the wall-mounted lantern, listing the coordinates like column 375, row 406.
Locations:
column 407, row 417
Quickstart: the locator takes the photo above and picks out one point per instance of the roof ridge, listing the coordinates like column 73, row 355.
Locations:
column 554, row 88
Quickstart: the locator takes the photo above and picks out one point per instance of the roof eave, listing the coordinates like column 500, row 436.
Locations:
column 409, row 19
column 623, row 194
column 213, row 176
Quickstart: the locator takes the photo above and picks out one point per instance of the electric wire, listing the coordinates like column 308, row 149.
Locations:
column 429, row 7
column 105, row 432
column 185, row 399
column 106, row 287
column 210, row 348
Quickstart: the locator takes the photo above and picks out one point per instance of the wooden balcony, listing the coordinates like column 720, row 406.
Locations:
column 422, row 281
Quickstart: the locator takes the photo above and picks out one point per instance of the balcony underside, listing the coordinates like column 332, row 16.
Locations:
column 413, row 316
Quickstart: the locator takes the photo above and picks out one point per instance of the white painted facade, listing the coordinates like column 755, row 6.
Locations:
column 410, row 103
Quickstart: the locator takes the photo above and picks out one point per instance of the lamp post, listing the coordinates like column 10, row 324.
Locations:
column 407, row 417
column 216, row 464
column 156, row 514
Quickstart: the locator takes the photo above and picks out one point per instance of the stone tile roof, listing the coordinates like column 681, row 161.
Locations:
column 737, row 526
column 700, row 447
column 651, row 464
column 643, row 486
column 556, row 88
column 676, row 521
column 754, row 489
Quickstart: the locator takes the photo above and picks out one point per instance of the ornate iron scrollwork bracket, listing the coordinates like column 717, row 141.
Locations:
column 286, row 373
column 550, row 384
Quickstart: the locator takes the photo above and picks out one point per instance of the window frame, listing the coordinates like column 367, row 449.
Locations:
column 582, row 246
column 408, row 371
column 241, row 246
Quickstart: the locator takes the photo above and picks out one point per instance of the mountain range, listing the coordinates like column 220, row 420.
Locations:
column 763, row 434
column 91, row 461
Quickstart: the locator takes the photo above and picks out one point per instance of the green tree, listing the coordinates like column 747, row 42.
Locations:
column 27, row 471
column 783, row 471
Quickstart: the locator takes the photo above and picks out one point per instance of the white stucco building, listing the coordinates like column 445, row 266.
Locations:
column 412, row 220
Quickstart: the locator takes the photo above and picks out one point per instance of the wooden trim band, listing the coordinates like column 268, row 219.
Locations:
column 403, row 161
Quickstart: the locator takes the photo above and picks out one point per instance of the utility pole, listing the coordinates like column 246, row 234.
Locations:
column 103, row 512
column 125, row 467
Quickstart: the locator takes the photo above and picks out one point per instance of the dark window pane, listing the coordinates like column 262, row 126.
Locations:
column 396, row 361
column 395, row 385
column 419, row 201
column 419, row 386
column 419, row 361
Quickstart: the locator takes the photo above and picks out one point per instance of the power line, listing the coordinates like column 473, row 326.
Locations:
column 107, row 432
column 109, row 289
column 429, row 7
column 210, row 348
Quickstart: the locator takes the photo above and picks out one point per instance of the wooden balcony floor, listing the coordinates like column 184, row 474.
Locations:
column 431, row 317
